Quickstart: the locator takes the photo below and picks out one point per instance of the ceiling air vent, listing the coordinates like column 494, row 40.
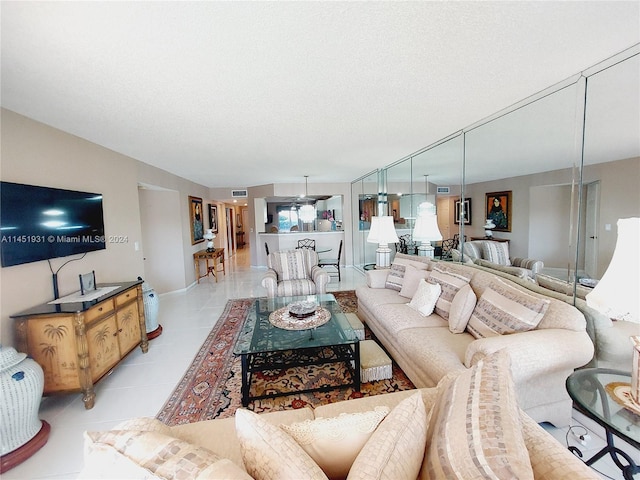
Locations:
column 443, row 190
column 239, row 193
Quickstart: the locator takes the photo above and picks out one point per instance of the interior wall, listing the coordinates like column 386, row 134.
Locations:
column 549, row 207
column 34, row 153
column 161, row 239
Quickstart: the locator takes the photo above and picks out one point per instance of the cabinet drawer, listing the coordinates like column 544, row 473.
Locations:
column 101, row 309
column 126, row 296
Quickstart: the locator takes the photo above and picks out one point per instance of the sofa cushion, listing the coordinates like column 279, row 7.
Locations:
column 504, row 309
column 396, row 448
column 167, row 457
column 461, row 309
column 472, row 249
column 334, row 443
column 268, row 452
column 425, row 298
column 412, row 277
column 474, row 428
column 450, row 282
column 496, row 252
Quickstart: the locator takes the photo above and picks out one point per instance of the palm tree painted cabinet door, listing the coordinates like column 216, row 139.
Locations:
column 77, row 348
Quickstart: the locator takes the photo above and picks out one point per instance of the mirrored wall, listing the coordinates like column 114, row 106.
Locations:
column 558, row 169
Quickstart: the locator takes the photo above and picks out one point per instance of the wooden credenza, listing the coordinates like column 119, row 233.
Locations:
column 77, row 344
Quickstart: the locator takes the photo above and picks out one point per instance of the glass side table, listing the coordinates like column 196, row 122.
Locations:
column 594, row 393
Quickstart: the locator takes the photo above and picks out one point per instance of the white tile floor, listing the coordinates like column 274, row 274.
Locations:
column 140, row 385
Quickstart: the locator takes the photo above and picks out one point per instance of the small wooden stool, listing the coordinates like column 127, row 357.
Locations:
column 375, row 364
column 356, row 324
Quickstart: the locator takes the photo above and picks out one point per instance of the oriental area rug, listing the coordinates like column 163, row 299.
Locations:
column 211, row 386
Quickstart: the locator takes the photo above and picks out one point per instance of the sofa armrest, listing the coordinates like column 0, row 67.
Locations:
column 270, row 282
column 377, row 278
column 535, row 266
column 549, row 458
column 320, row 277
column 536, row 351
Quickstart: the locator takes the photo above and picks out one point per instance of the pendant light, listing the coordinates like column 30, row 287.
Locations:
column 307, row 212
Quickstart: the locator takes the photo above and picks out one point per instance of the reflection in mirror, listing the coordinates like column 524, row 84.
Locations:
column 364, row 194
column 524, row 163
column 611, row 172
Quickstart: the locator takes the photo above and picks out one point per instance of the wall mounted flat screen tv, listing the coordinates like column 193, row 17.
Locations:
column 38, row 223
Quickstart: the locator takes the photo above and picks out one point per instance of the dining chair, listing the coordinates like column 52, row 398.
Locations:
column 332, row 262
column 307, row 243
column 266, row 247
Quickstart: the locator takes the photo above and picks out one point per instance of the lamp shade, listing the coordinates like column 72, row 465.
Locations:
column 382, row 231
column 426, row 229
column 307, row 213
column 616, row 294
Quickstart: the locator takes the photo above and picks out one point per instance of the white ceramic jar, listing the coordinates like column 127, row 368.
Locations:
column 21, row 384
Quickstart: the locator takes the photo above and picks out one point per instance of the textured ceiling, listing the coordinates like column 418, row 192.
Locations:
column 237, row 94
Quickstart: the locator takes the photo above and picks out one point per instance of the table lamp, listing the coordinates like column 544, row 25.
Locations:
column 426, row 231
column 616, row 294
column 488, row 227
column 383, row 233
column 209, row 236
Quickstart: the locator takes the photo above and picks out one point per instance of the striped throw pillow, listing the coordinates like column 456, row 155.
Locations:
column 496, row 252
column 504, row 309
column 450, row 283
column 474, row 430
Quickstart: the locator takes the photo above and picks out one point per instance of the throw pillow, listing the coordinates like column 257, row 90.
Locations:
column 412, row 278
column 334, row 443
column 472, row 249
column 396, row 449
column 168, row 457
column 474, row 428
column 450, row 282
column 504, row 309
column 144, row 424
column 425, row 298
column 268, row 452
column 461, row 309
column 496, row 252
column 395, row 279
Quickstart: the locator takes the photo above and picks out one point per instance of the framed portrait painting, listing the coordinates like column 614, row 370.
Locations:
column 498, row 209
column 213, row 218
column 463, row 212
column 197, row 220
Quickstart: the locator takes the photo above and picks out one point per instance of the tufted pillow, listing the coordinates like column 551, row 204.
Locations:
column 461, row 309
column 504, row 309
column 496, row 252
column 396, row 448
column 167, row 457
column 334, row 443
column 450, row 282
column 425, row 298
column 412, row 278
column 474, row 428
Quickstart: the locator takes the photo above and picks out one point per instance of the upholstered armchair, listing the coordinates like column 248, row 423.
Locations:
column 294, row 272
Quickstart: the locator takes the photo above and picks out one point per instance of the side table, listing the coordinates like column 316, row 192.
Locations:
column 589, row 390
column 216, row 256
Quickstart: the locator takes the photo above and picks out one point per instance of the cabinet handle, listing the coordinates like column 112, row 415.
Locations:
column 117, row 332
column 100, row 309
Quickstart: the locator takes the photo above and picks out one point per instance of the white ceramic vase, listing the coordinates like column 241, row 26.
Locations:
column 21, row 384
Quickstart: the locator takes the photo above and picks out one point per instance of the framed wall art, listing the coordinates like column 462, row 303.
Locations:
column 197, row 220
column 463, row 212
column 213, row 218
column 498, row 209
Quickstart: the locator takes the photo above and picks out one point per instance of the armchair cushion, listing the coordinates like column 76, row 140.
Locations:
column 291, row 264
column 294, row 272
column 496, row 252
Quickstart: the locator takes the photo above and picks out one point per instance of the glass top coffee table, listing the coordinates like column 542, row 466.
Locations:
column 599, row 393
column 264, row 346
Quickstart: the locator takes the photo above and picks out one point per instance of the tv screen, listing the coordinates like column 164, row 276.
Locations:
column 38, row 223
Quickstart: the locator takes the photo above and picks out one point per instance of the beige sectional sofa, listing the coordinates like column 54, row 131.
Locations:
column 427, row 349
column 411, row 434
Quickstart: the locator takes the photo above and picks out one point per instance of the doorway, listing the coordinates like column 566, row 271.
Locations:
column 592, row 195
